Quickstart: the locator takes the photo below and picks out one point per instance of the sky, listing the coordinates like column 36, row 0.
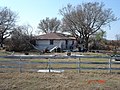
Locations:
column 32, row 11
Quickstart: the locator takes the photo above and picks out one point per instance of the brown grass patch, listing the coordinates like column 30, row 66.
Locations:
column 58, row 81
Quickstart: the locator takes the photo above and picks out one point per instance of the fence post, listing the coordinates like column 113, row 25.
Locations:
column 110, row 65
column 20, row 68
column 49, row 65
column 79, row 65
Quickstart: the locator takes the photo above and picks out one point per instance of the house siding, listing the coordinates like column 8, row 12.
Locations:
column 43, row 44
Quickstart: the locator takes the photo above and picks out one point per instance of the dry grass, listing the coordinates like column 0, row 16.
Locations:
column 59, row 81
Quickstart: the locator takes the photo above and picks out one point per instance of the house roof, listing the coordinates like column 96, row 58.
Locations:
column 57, row 36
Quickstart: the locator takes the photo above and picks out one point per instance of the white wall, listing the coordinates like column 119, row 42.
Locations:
column 42, row 44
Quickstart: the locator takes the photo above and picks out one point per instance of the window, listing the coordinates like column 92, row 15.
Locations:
column 51, row 42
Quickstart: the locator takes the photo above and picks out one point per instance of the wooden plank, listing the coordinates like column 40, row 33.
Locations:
column 25, row 62
column 50, row 57
column 92, row 68
column 70, row 63
column 3, row 66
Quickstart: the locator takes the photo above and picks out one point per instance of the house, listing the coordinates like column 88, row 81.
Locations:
column 51, row 41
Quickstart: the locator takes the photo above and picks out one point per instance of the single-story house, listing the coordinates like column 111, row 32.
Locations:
column 53, row 41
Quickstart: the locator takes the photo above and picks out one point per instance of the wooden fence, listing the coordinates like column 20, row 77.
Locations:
column 17, row 63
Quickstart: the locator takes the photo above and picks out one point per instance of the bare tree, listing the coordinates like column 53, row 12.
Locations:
column 49, row 25
column 117, row 43
column 98, row 40
column 21, row 38
column 7, row 23
column 117, row 37
column 84, row 20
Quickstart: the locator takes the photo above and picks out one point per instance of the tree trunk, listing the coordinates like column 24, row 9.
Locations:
column 86, row 43
column 1, row 41
column 1, row 44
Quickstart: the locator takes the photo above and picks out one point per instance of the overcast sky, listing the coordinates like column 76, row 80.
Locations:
column 32, row 11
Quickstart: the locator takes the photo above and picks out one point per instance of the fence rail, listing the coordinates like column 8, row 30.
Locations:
column 18, row 62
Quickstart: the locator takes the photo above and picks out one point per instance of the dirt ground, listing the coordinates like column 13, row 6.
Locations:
column 59, row 81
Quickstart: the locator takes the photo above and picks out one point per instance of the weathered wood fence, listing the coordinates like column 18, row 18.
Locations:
column 9, row 63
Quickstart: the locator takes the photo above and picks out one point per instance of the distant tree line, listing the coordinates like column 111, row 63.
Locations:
column 84, row 22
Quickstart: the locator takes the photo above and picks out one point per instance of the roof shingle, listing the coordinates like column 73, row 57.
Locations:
column 57, row 36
